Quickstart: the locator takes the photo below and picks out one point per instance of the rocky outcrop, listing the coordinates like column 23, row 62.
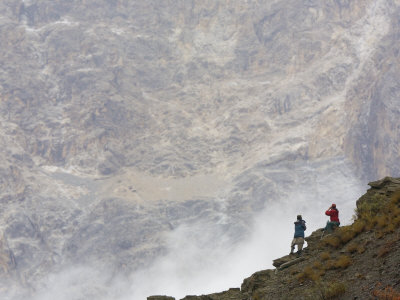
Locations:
column 160, row 298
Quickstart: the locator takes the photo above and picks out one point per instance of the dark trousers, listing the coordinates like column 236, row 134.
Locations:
column 331, row 226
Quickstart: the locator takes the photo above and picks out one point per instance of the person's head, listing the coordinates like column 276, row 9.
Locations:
column 333, row 205
column 299, row 217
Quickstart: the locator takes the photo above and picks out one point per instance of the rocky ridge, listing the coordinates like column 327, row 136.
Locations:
column 363, row 266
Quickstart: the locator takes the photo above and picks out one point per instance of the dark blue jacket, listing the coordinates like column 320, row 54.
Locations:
column 299, row 228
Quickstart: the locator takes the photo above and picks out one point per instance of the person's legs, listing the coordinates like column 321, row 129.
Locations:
column 300, row 243
column 292, row 246
column 329, row 227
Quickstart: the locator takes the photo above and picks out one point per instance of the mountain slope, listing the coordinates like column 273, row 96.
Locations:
column 359, row 261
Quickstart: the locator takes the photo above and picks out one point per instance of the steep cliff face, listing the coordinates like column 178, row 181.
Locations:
column 122, row 81
column 121, row 120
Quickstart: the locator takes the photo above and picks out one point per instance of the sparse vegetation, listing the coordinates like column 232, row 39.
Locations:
column 352, row 248
column 366, row 210
column 309, row 273
column 379, row 212
column 387, row 248
column 388, row 293
column 395, row 199
column 332, row 240
column 358, row 226
column 325, row 291
column 346, row 234
column 343, row 262
column 325, row 255
column 318, row 265
column 334, row 290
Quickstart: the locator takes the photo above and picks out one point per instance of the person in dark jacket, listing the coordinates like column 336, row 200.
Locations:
column 298, row 239
column 334, row 222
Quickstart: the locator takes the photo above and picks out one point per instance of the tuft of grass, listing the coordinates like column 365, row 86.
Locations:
column 358, row 226
column 321, row 290
column 309, row 274
column 332, row 240
column 334, row 290
column 381, row 221
column 329, row 264
column 325, row 255
column 346, row 234
column 390, row 228
column 396, row 220
column 343, row 262
column 352, row 247
column 395, row 199
column 318, row 265
column 387, row 248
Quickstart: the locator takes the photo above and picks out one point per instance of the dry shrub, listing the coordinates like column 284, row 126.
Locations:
column 352, row 247
column 318, row 265
column 358, row 226
column 386, row 248
column 308, row 274
column 329, row 264
column 343, row 262
column 325, row 255
column 334, row 290
column 322, row 290
column 332, row 241
column 394, row 209
column 369, row 225
column 396, row 221
column 388, row 293
column 389, row 228
column 381, row 221
column 395, row 198
column 346, row 234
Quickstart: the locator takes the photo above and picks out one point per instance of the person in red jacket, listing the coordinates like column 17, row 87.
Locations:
column 334, row 222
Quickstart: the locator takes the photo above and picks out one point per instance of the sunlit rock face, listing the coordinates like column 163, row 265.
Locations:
column 121, row 120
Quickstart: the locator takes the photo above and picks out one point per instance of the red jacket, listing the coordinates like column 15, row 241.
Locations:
column 334, row 214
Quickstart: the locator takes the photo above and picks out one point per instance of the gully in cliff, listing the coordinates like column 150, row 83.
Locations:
column 299, row 228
